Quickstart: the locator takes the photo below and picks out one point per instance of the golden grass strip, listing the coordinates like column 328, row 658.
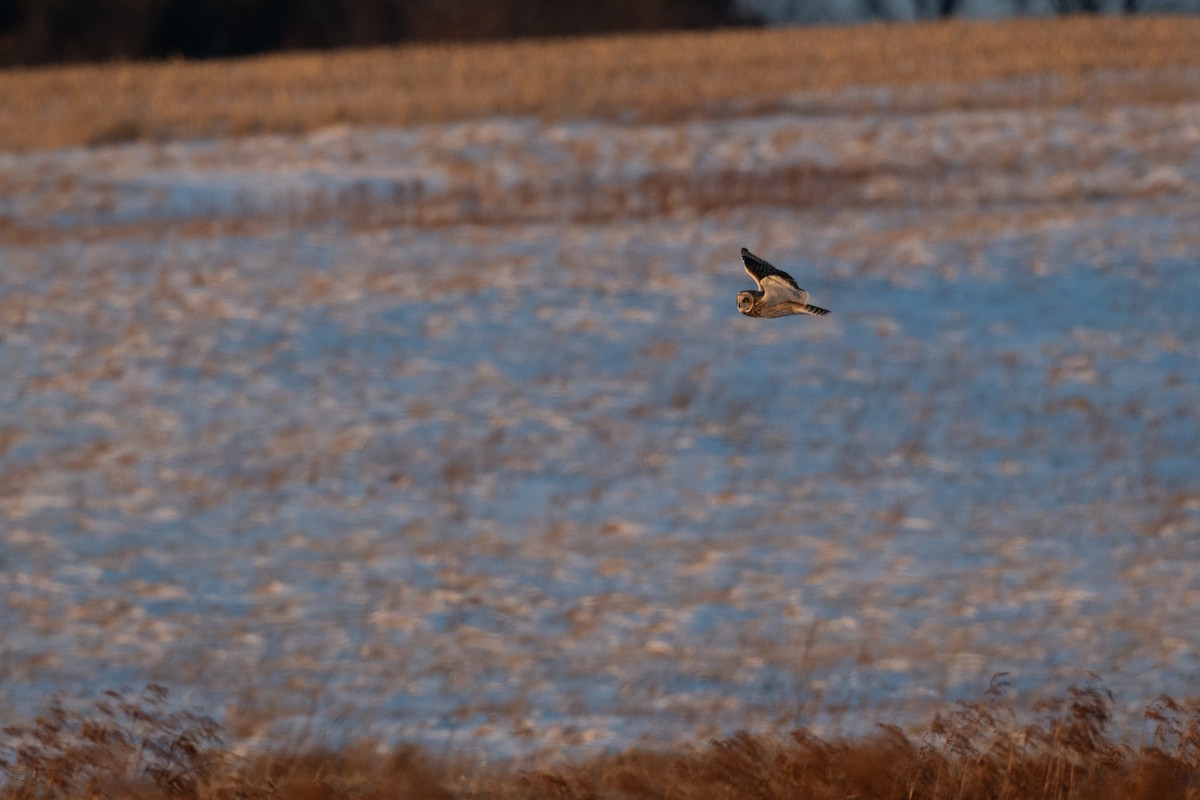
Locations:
column 136, row 746
column 664, row 76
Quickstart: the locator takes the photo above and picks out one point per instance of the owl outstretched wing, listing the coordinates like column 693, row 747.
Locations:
column 772, row 282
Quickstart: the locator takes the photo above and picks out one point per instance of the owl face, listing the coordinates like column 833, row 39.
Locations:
column 745, row 301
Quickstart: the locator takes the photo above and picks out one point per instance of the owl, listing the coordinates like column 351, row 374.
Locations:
column 777, row 295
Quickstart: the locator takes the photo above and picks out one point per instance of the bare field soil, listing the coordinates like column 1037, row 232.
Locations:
column 449, row 434
column 1071, row 61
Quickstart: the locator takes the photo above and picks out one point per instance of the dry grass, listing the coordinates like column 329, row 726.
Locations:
column 135, row 747
column 1080, row 60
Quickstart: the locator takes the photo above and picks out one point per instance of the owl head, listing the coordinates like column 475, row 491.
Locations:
column 745, row 301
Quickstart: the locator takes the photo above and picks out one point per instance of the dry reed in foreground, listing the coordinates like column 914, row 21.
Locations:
column 134, row 746
column 1073, row 60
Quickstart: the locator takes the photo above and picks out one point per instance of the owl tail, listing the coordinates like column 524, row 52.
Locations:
column 820, row 312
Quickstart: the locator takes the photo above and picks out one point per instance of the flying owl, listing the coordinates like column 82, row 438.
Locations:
column 777, row 295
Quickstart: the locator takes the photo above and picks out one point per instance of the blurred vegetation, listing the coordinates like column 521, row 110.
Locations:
column 48, row 31
column 129, row 745
column 1094, row 61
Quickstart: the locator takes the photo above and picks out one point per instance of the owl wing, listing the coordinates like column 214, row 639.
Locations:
column 773, row 283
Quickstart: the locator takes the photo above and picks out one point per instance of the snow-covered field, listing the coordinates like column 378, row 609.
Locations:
column 453, row 434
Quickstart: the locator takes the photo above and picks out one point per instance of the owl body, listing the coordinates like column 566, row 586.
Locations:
column 778, row 294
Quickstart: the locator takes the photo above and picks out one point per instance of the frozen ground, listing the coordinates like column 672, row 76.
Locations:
column 453, row 434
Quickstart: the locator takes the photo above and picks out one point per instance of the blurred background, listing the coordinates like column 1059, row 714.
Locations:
column 399, row 392
column 47, row 31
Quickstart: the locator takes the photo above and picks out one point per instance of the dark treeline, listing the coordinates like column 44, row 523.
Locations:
column 46, row 31
column 54, row 31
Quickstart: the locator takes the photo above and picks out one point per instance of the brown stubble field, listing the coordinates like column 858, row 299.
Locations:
column 447, row 437
column 661, row 77
column 139, row 745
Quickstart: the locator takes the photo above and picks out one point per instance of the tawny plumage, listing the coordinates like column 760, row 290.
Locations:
column 777, row 295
